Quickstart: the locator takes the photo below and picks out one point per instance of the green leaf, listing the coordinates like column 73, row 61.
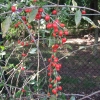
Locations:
column 32, row 82
column 33, row 51
column 1, row 1
column 2, row 53
column 53, row 97
column 89, row 21
column 72, row 98
column 32, row 15
column 2, row 48
column 6, row 25
column 78, row 17
column 69, row 46
column 51, row 41
column 44, row 98
column 18, row 93
column 81, row 47
column 62, row 96
column 74, row 4
column 1, row 84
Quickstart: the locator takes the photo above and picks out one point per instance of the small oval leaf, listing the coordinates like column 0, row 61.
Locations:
column 89, row 21
column 6, row 25
column 33, row 50
column 32, row 15
column 72, row 98
column 78, row 17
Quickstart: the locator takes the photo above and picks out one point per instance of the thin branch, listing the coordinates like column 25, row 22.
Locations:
column 33, row 40
column 47, row 6
column 94, row 93
column 78, row 50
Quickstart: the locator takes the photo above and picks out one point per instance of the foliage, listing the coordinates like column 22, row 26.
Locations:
column 27, row 24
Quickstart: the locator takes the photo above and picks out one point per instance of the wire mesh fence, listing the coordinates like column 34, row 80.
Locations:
column 81, row 71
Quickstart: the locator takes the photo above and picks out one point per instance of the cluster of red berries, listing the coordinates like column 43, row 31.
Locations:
column 54, row 67
column 58, row 32
column 22, row 43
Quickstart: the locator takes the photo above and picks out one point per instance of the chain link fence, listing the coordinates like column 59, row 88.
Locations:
column 81, row 70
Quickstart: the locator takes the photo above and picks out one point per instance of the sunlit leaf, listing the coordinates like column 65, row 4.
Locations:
column 6, row 25
column 78, row 17
column 74, row 4
column 53, row 97
column 51, row 41
column 18, row 93
column 32, row 15
column 2, row 47
column 72, row 98
column 33, row 51
column 69, row 46
column 81, row 47
column 1, row 84
column 2, row 53
column 89, row 21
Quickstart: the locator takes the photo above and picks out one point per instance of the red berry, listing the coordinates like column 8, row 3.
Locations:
column 49, row 60
column 32, row 41
column 28, row 10
column 54, row 25
column 60, row 88
column 13, row 8
column 48, row 94
column 22, row 43
column 64, row 40
column 49, row 74
column 18, row 41
column 47, row 18
column 23, row 90
column 56, row 46
column 34, row 0
column 26, row 44
column 60, row 65
column 49, row 25
column 55, row 81
column 83, row 12
column 56, row 30
column 57, row 67
column 22, row 68
column 56, row 59
column 66, row 32
column 60, row 33
column 54, row 91
column 16, row 25
column 58, row 78
column 50, row 79
column 54, row 12
column 23, row 18
column 54, row 34
column 19, row 23
column 53, row 64
column 56, row 21
column 24, row 54
column 38, row 16
column 52, row 56
column 54, row 50
column 62, row 25
column 50, row 85
column 25, row 22
column 29, row 26
column 40, row 10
